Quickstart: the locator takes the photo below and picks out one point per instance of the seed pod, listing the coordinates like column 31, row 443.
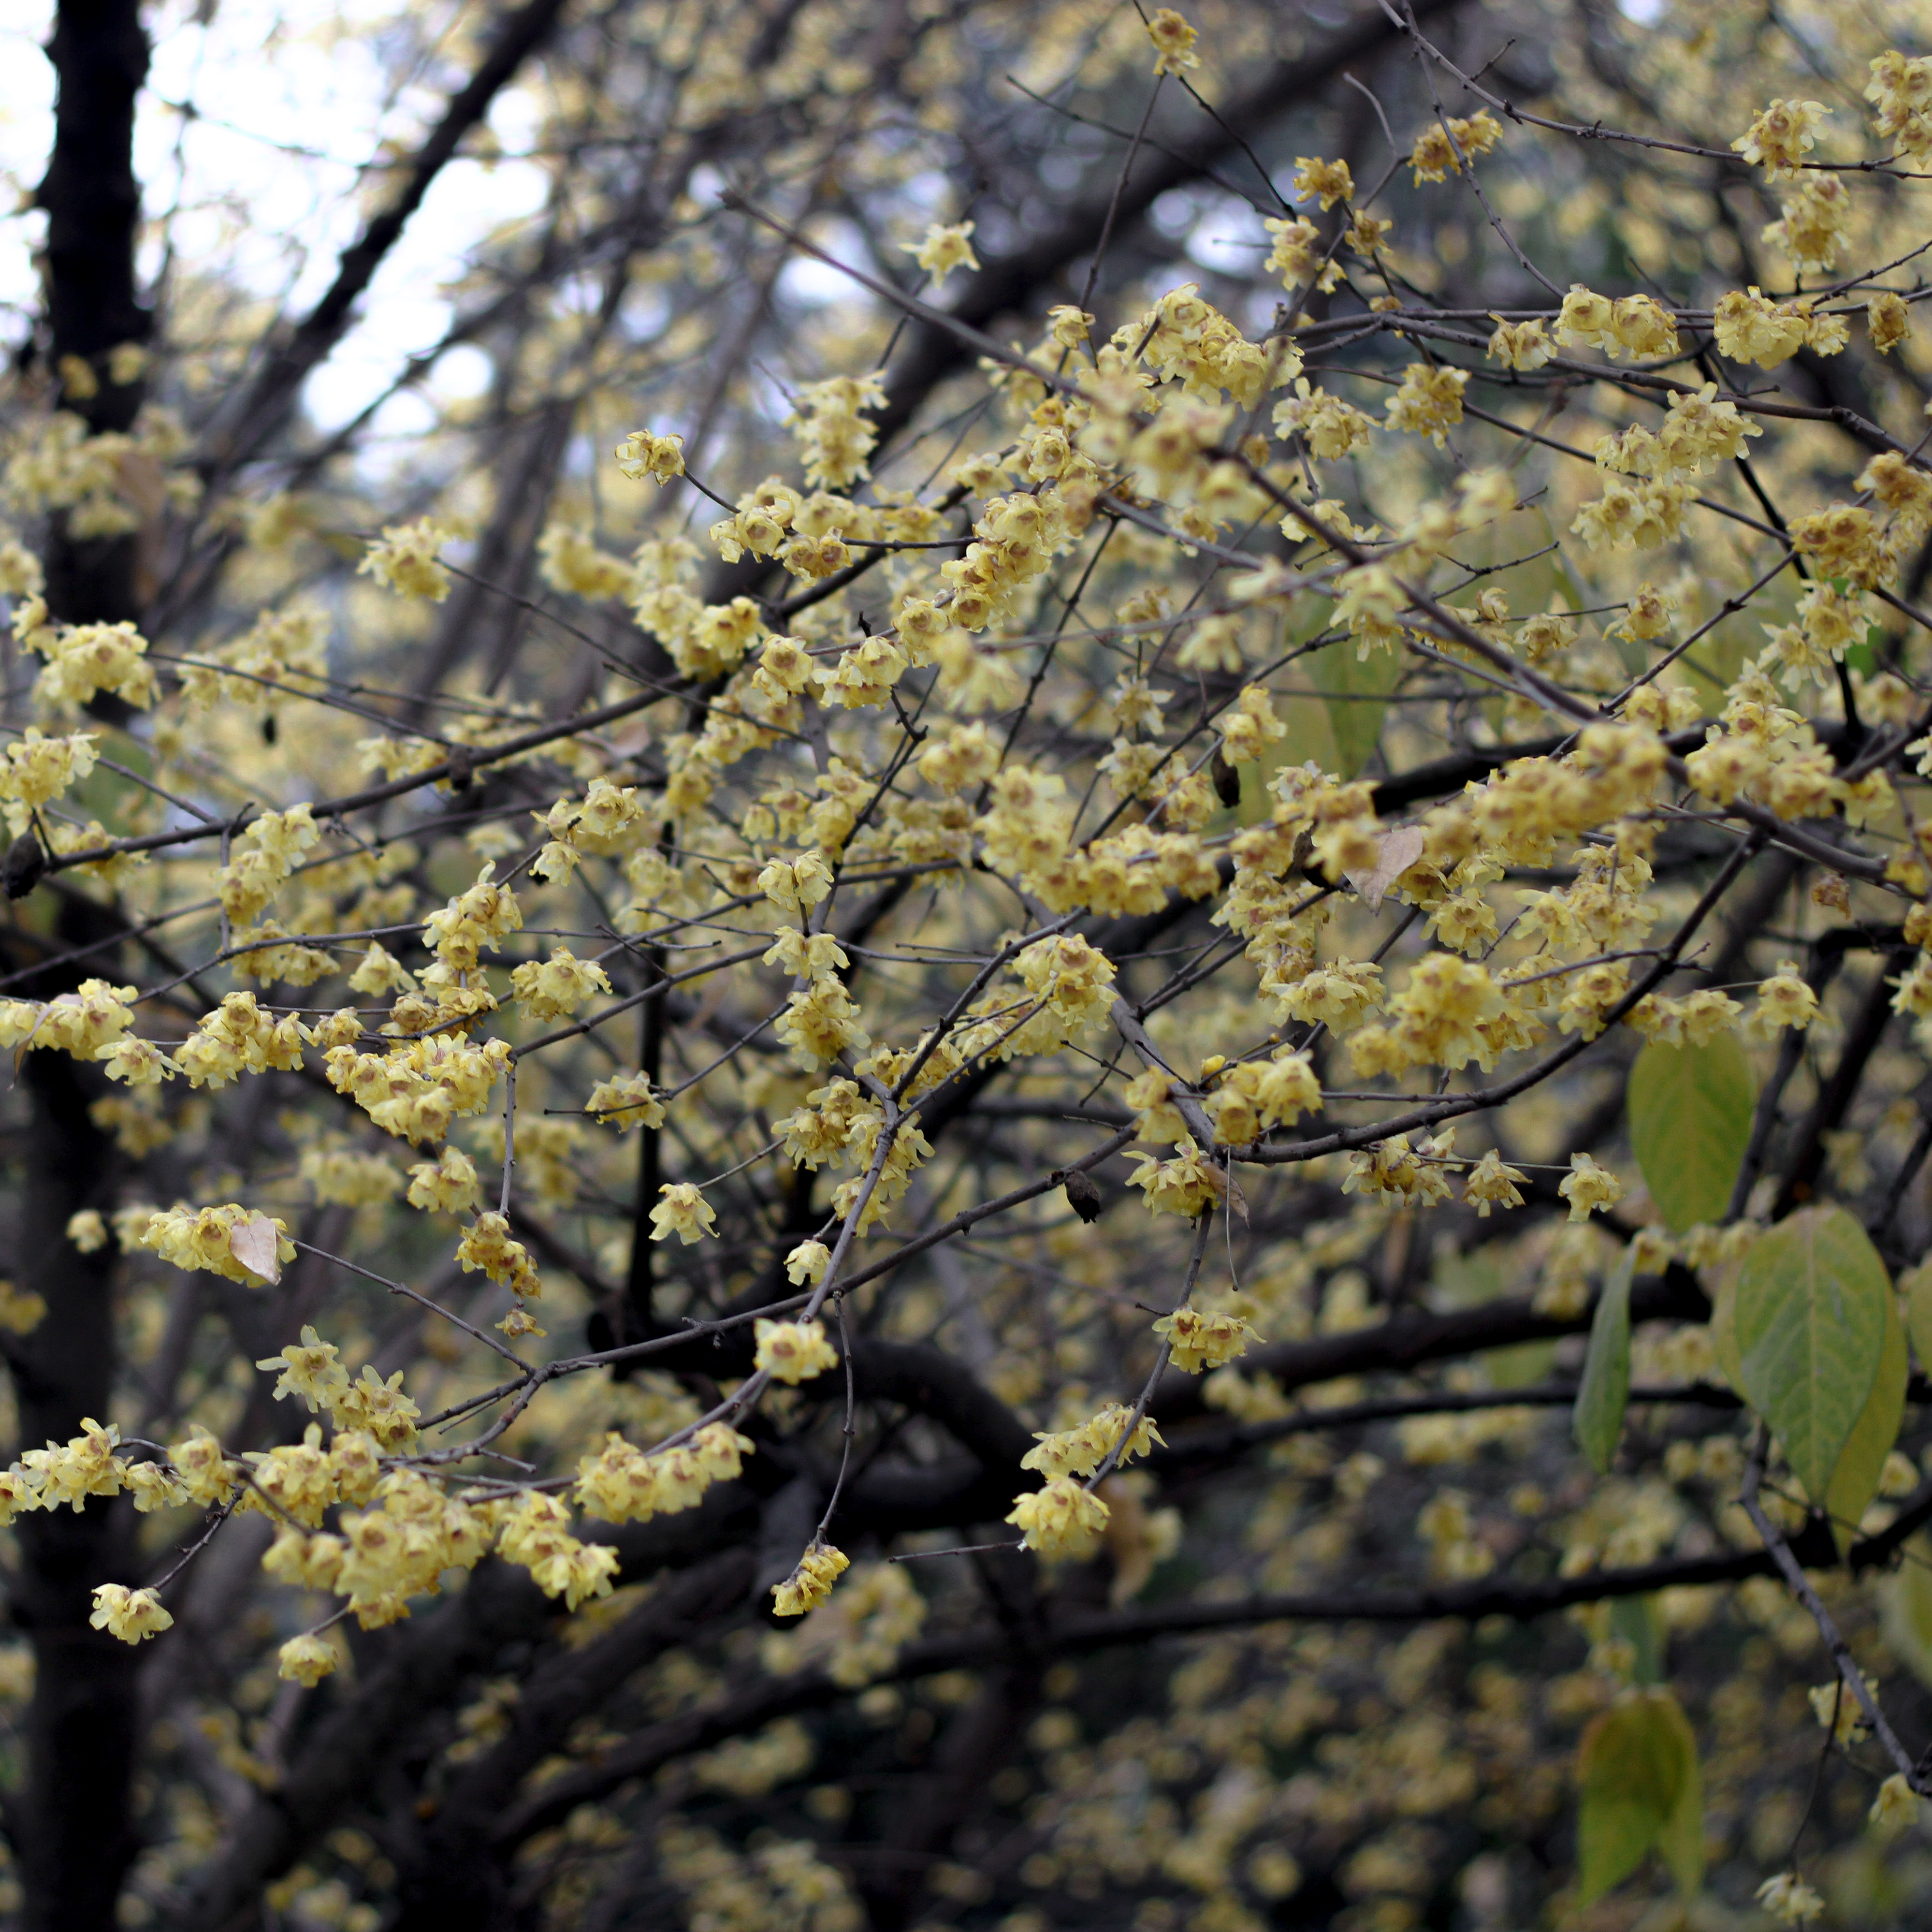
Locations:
column 1227, row 780
column 20, row 871
column 1082, row 1196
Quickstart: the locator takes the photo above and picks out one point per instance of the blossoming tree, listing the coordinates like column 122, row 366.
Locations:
column 1031, row 1058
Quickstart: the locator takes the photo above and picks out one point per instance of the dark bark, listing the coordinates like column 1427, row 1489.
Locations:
column 420, row 1666
column 456, row 1881
column 93, row 203
column 82, row 1725
column 937, row 1800
column 1835, row 1097
column 1084, row 1633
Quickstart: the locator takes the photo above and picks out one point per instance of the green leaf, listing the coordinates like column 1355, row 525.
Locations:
column 1597, row 1419
column 1354, row 691
column 1690, row 1123
column 1855, row 1481
column 1681, row 1844
column 1641, row 1790
column 1810, row 1312
column 1639, row 1623
column 1720, row 1283
column 1907, row 1597
column 1917, row 1283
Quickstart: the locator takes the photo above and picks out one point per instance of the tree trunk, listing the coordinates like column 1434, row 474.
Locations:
column 82, row 1727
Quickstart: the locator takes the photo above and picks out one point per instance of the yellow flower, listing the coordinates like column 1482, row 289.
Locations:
column 1188, row 1185
column 1889, row 320
column 1174, row 42
column 1490, row 1184
column 1751, row 329
column 797, row 885
column 1435, row 155
column 943, row 249
column 1782, row 1000
column 625, row 1101
column 1295, row 254
column 309, row 1370
column 405, row 559
column 1783, row 134
column 794, row 1351
column 371, row 1406
column 1059, row 1518
column 682, row 1210
column 21, row 1310
column 486, row 1244
column 132, row 1615
column 1812, row 225
column 1328, row 181
column 810, row 1583
column 306, row 1660
column 808, row 1262
column 1520, row 345
column 1897, row 1804
column 641, row 455
column 549, row 989
column 1198, row 1339
column 1588, row 1187
column 1788, row 1897
column 1586, row 319
column 1080, row 1452
column 87, row 1230
column 230, row 1241
column 1429, row 403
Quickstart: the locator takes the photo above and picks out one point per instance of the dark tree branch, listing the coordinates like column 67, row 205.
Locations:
column 1082, row 1634
column 454, row 1883
column 422, row 1664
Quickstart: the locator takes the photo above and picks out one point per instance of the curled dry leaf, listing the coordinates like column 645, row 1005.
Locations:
column 1401, row 848
column 254, row 1243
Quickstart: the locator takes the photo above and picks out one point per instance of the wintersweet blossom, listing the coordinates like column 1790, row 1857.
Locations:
column 132, row 1615
column 794, row 1351
column 1059, row 1518
column 682, row 1210
column 1198, row 1339
column 1174, row 42
column 1588, row 1187
column 810, row 1583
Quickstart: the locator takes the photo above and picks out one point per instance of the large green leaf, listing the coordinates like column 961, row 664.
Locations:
column 1639, row 1623
column 1681, row 1844
column 1810, row 1311
column 1855, row 1481
column 1642, row 1791
column 1597, row 1420
column 1690, row 1123
column 1917, row 1283
column 1720, row 1283
column 1907, row 1597
column 1357, row 692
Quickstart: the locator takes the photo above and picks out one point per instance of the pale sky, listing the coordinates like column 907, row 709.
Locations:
column 289, row 101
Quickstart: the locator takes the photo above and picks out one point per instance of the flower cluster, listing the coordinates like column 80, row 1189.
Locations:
column 1116, row 1430
column 405, row 560
column 623, row 1484
column 810, row 1583
column 233, row 1241
column 793, row 1351
column 1059, row 1518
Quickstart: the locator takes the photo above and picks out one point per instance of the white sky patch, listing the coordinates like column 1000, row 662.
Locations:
column 264, row 181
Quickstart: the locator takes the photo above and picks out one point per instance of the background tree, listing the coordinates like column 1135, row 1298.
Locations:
column 1104, row 1107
